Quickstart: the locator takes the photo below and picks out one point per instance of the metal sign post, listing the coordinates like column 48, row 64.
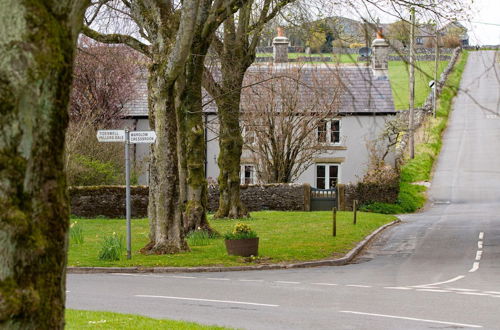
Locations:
column 127, row 137
column 127, row 194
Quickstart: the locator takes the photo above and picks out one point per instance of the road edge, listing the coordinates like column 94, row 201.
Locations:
column 306, row 264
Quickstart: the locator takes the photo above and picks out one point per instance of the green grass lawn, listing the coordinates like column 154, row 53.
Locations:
column 284, row 237
column 399, row 77
column 76, row 319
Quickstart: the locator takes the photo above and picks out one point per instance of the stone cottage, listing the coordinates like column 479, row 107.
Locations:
column 363, row 105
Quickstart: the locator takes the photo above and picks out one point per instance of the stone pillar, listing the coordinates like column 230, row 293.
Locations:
column 380, row 56
column 280, row 47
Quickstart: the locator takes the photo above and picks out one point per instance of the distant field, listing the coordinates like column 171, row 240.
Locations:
column 424, row 72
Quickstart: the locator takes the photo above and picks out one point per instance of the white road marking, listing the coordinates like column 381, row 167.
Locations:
column 479, row 254
column 474, row 293
column 207, row 300
column 68, row 291
column 492, row 292
column 475, row 266
column 481, row 235
column 176, row 276
column 286, row 282
column 136, row 275
column 398, row 288
column 216, row 278
column 480, row 244
column 243, row 280
column 359, row 286
column 415, row 319
column 433, row 290
column 464, row 290
column 331, row 284
column 438, row 283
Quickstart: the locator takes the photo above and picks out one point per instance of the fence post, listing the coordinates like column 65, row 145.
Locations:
column 334, row 221
column 354, row 209
column 341, row 197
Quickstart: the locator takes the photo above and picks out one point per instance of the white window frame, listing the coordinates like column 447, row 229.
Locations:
column 327, row 174
column 329, row 132
column 242, row 174
column 253, row 133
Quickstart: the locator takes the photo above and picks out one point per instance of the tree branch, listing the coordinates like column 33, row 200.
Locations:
column 116, row 38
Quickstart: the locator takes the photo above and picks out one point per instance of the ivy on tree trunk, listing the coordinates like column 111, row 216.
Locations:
column 37, row 45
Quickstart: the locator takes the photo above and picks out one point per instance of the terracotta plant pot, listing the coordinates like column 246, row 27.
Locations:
column 242, row 247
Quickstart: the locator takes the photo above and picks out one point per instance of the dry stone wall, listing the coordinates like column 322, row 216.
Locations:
column 109, row 201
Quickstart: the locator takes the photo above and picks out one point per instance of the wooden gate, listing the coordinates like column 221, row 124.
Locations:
column 323, row 199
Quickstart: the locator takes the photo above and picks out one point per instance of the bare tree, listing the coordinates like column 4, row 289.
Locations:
column 400, row 31
column 104, row 79
column 37, row 45
column 235, row 49
column 167, row 29
column 286, row 118
column 191, row 134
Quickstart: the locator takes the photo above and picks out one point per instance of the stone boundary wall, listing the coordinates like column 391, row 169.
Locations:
column 428, row 57
column 257, row 197
column 336, row 50
column 367, row 193
column 291, row 49
column 109, row 201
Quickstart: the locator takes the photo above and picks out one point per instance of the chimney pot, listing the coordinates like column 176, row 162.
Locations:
column 280, row 47
column 380, row 56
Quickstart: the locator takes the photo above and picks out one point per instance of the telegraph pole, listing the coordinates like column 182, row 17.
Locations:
column 412, row 83
column 436, row 67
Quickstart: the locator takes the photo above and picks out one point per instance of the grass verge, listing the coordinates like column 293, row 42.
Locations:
column 412, row 197
column 77, row 319
column 284, row 237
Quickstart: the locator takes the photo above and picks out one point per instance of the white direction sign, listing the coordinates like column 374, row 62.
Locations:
column 142, row 137
column 111, row 135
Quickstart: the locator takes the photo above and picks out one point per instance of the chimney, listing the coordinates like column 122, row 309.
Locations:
column 380, row 56
column 280, row 47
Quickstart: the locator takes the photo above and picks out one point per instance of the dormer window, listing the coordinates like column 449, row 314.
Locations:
column 328, row 131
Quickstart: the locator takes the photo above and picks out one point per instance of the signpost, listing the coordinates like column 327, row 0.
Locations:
column 127, row 137
column 432, row 85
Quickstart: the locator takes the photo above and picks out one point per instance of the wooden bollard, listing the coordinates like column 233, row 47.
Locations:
column 334, row 221
column 354, row 210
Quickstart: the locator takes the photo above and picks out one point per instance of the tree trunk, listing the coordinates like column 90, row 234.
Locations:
column 230, row 145
column 37, row 44
column 193, row 129
column 165, row 216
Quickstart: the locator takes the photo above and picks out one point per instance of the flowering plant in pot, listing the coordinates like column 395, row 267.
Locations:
column 242, row 241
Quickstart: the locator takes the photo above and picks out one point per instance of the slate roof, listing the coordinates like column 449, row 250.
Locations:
column 356, row 88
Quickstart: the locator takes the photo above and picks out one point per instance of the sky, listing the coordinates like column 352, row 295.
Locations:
column 485, row 11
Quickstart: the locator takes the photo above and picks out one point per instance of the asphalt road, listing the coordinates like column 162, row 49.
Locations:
column 439, row 269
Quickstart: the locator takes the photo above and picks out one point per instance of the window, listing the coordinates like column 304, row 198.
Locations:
column 419, row 41
column 335, row 131
column 247, row 174
column 322, row 130
column 248, row 134
column 327, row 176
column 328, row 131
